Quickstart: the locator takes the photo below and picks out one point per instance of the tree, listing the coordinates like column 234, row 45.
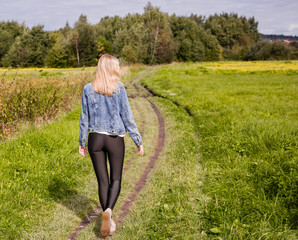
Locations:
column 195, row 43
column 138, row 41
column 129, row 54
column 8, row 33
column 84, row 42
column 61, row 54
column 294, row 50
column 161, row 46
column 29, row 49
column 103, row 46
column 65, row 30
column 17, row 54
column 130, row 42
column 265, row 50
column 279, row 51
column 235, row 34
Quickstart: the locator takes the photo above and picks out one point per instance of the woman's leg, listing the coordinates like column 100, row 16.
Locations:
column 99, row 147
column 115, row 149
column 99, row 160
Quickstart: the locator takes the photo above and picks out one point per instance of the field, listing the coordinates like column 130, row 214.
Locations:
column 246, row 120
column 226, row 168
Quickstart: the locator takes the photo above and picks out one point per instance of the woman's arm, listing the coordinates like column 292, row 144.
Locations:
column 128, row 119
column 84, row 120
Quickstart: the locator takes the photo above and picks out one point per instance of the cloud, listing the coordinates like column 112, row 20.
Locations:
column 293, row 28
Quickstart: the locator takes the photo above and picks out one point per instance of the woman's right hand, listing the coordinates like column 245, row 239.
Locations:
column 83, row 151
column 141, row 150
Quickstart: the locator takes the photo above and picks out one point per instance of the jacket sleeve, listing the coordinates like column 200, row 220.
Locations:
column 128, row 119
column 84, row 120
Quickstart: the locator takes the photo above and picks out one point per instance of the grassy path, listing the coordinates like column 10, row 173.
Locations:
column 140, row 183
column 47, row 188
column 240, row 124
column 159, row 202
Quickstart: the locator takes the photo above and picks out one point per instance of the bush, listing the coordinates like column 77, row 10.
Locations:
column 265, row 50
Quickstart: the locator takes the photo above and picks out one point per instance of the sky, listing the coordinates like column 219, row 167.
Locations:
column 274, row 16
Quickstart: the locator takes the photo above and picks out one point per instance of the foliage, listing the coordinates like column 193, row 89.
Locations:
column 61, row 54
column 294, row 50
column 129, row 54
column 194, row 43
column 265, row 50
column 29, row 49
column 235, row 34
column 161, row 47
column 84, row 42
column 103, row 46
column 8, row 32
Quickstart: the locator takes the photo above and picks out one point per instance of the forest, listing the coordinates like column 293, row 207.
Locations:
column 153, row 37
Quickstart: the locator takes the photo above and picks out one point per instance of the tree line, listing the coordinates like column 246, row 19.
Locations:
column 153, row 37
column 274, row 37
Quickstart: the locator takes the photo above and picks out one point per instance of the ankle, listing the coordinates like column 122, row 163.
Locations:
column 109, row 211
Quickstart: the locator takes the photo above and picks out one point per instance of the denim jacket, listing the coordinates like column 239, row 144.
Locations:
column 102, row 113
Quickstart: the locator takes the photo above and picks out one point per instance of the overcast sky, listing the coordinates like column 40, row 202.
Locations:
column 274, row 16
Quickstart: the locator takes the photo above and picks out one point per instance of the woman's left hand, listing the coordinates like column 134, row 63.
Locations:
column 141, row 150
column 83, row 151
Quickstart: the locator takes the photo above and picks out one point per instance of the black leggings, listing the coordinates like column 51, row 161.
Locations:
column 101, row 146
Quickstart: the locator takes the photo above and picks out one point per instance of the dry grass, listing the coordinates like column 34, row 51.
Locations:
column 37, row 96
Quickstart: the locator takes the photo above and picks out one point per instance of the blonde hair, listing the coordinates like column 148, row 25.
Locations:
column 107, row 75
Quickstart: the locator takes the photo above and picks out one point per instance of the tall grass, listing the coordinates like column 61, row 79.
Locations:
column 247, row 127
column 37, row 95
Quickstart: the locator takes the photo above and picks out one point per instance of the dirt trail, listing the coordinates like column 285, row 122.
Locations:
column 139, row 185
column 142, row 180
column 130, row 161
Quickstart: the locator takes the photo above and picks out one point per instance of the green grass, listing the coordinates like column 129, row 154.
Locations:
column 247, row 130
column 172, row 194
column 38, row 170
column 167, row 207
column 228, row 171
column 47, row 187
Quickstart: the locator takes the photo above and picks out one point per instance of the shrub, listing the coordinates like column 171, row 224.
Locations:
column 265, row 50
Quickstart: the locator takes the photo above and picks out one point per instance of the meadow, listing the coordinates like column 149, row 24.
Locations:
column 245, row 115
column 47, row 188
column 228, row 168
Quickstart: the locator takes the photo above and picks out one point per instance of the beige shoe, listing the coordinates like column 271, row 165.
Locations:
column 113, row 227
column 106, row 223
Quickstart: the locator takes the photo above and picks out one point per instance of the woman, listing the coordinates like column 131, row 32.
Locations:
column 106, row 115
